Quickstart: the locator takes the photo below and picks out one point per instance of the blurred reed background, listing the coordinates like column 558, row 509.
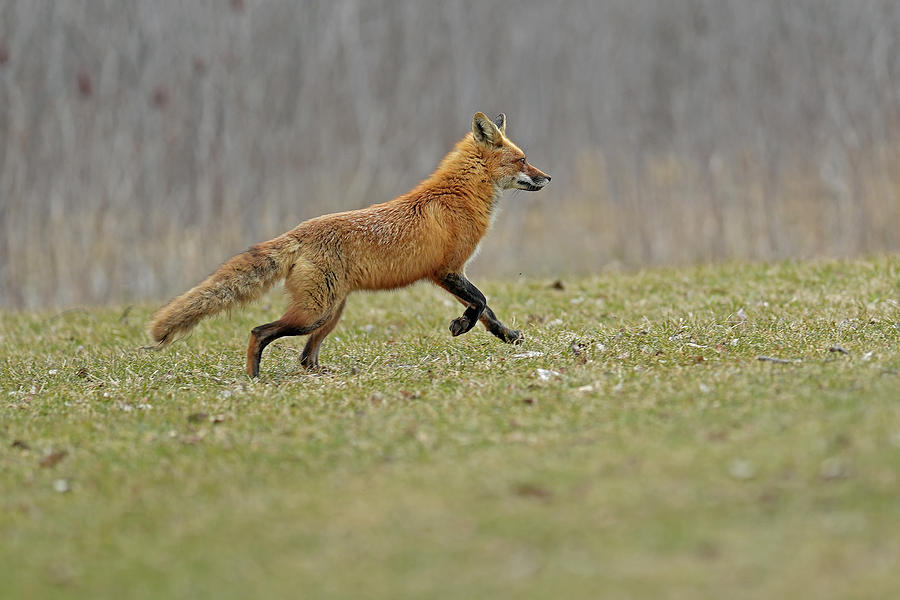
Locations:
column 143, row 142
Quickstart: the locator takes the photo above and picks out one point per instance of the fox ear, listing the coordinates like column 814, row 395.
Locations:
column 500, row 122
column 485, row 131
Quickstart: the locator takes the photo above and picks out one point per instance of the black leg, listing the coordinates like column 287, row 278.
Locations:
column 493, row 325
column 477, row 309
column 310, row 356
column 471, row 296
column 262, row 336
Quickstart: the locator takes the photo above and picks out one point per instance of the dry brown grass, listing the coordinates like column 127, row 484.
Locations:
column 676, row 211
column 671, row 211
column 143, row 143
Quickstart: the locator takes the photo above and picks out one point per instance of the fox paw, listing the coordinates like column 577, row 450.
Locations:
column 460, row 325
column 513, row 336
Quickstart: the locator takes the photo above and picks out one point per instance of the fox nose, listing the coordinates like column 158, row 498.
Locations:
column 548, row 178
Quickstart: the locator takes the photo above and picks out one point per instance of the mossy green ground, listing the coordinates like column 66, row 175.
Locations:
column 633, row 446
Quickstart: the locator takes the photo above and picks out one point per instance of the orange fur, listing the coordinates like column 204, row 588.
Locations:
column 428, row 233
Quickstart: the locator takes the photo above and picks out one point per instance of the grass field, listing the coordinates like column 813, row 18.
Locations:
column 635, row 446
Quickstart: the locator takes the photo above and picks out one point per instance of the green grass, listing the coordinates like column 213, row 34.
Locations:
column 657, row 457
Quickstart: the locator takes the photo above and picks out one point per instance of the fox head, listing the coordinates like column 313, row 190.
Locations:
column 505, row 161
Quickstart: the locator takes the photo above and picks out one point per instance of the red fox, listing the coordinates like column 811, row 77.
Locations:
column 428, row 233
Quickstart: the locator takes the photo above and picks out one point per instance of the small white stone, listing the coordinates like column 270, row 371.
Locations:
column 529, row 354
column 547, row 374
column 742, row 469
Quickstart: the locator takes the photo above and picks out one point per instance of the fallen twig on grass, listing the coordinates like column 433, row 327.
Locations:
column 780, row 361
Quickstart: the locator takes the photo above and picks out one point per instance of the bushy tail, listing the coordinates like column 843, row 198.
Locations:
column 241, row 279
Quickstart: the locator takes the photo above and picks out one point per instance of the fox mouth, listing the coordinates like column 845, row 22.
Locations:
column 524, row 182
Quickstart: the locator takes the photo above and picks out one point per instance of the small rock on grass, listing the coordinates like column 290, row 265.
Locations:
column 547, row 374
column 742, row 469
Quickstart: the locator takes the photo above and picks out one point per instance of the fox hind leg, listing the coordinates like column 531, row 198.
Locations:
column 310, row 356
column 293, row 322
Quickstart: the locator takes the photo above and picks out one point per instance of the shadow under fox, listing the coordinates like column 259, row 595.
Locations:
column 428, row 233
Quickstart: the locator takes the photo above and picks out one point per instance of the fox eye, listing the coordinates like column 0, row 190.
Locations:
column 522, row 160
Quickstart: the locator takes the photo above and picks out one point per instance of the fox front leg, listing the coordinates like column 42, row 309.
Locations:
column 493, row 324
column 477, row 309
column 471, row 296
